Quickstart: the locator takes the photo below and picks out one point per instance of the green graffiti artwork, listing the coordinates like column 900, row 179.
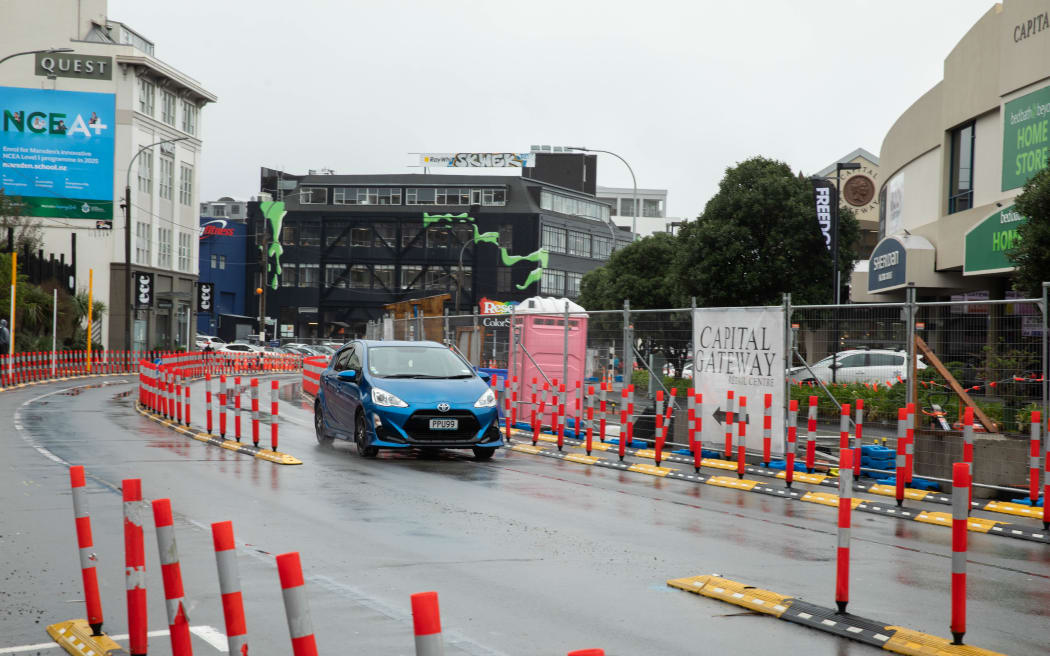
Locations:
column 540, row 256
column 274, row 212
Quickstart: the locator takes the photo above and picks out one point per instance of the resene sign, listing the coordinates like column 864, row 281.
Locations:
column 988, row 241
column 56, row 152
column 1026, row 137
column 887, row 265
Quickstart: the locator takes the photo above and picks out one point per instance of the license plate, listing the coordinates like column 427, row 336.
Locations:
column 444, row 424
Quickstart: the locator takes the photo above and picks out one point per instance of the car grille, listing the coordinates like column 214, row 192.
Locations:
column 418, row 425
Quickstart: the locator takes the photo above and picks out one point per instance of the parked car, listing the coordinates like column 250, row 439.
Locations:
column 859, row 366
column 399, row 395
column 205, row 340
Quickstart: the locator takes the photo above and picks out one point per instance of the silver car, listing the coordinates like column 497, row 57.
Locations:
column 859, row 366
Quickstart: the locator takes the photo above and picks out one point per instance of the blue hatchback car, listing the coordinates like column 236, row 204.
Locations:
column 397, row 395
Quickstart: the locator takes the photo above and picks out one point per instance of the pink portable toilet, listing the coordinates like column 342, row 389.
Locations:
column 541, row 324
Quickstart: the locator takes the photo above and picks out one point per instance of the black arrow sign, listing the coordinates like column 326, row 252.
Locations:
column 720, row 416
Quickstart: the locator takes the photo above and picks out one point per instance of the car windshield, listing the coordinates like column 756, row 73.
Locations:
column 416, row 362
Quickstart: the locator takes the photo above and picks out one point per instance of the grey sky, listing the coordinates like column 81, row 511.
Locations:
column 680, row 89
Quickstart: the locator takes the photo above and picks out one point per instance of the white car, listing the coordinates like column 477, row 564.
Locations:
column 239, row 348
column 206, row 340
column 859, row 366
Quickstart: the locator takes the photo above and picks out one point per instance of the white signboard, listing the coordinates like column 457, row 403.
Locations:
column 740, row 350
column 478, row 160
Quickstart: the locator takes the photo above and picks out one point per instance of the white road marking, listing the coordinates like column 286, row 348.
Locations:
column 208, row 634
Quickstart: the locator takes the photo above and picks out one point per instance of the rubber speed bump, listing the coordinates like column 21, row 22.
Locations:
column 871, row 632
column 75, row 637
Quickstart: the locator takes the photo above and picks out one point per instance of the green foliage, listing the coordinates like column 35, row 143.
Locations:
column 638, row 272
column 757, row 238
column 1032, row 251
column 640, row 379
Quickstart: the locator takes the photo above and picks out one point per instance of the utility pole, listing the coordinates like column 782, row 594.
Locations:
column 264, row 264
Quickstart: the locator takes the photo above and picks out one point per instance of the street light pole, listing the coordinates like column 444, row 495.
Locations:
column 47, row 51
column 634, row 184
column 128, row 286
column 459, row 277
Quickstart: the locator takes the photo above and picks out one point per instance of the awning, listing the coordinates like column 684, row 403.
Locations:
column 896, row 261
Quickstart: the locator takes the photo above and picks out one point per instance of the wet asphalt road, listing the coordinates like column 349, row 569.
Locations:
column 529, row 555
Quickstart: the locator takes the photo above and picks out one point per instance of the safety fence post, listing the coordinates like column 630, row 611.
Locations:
column 222, row 405
column 741, row 444
column 171, row 572
column 590, row 417
column 767, row 428
column 1033, row 457
column 961, row 483
column 729, row 424
column 845, row 521
column 293, row 587
column 230, row 587
column 135, row 566
column 857, row 438
column 698, row 443
column 85, row 547
column 426, row 623
column 902, row 441
column 792, row 438
column 255, row 411
column 273, row 415
column 208, row 401
column 811, row 435
column 237, row 408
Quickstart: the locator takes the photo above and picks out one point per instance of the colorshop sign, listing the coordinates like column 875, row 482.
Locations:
column 500, row 309
column 56, row 152
column 740, row 349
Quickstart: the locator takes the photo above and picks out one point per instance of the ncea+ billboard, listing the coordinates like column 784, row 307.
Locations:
column 56, row 152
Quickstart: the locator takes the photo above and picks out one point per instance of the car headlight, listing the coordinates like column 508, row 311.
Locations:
column 487, row 400
column 383, row 397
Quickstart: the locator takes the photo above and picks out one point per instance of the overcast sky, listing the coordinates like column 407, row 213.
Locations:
column 680, row 89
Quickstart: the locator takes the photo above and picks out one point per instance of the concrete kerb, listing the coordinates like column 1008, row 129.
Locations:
column 885, row 636
column 974, row 524
column 275, row 457
column 62, row 379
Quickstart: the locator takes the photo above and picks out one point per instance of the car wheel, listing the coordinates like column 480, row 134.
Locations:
column 323, row 438
column 360, row 435
column 483, row 453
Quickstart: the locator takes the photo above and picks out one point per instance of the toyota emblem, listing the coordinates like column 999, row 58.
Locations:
column 443, row 407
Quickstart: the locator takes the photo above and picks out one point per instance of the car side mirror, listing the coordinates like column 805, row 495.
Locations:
column 485, row 376
column 349, row 375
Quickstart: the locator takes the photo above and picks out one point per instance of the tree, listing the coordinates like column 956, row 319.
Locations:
column 1032, row 251
column 757, row 238
column 27, row 232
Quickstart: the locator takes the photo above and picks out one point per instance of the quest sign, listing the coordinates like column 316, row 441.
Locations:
column 65, row 65
column 988, row 242
column 887, row 265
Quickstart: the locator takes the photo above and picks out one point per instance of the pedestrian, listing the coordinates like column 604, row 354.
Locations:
column 5, row 337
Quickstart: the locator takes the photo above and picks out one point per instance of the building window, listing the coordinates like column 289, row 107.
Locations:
column 189, row 117
column 146, row 172
column 147, row 96
column 143, row 243
column 235, row 209
column 366, row 196
column 960, row 193
column 336, row 235
column 437, row 278
column 361, row 236
column 386, row 235
column 652, row 207
column 602, row 247
column 579, row 243
column 452, row 196
column 573, row 206
column 506, row 235
column 164, row 248
column 503, row 279
column 186, row 184
column 409, row 235
column 554, row 239
column 411, row 276
column 167, row 107
column 218, row 262
column 314, row 196
column 166, row 183
column 290, row 275
column 494, row 197
column 360, row 278
column 437, row 237
column 572, row 284
column 627, row 207
column 420, row 196
column 384, row 274
column 289, row 234
column 335, row 275
column 611, row 202
column 553, row 283
column 218, row 210
column 310, row 234
column 308, row 274
column 184, row 251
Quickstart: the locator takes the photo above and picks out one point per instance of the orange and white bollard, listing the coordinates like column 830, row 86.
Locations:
column 230, row 587
column 85, row 547
column 222, row 405
column 273, row 415
column 767, row 428
column 845, row 523
column 296, row 609
column 857, row 429
column 177, row 377
column 135, row 566
column 811, row 436
column 587, row 652
column 1034, row 441
column 792, row 438
column 590, row 417
column 255, row 411
column 909, row 445
column 603, row 409
column 658, row 437
column 426, row 623
column 729, row 424
column 562, row 397
column 960, row 510
column 741, row 444
column 623, row 424
column 902, row 457
column 186, row 393
column 698, row 442
column 237, row 408
column 171, row 572
column 844, row 428
column 208, row 401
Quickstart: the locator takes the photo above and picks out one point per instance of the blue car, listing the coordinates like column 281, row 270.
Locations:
column 401, row 395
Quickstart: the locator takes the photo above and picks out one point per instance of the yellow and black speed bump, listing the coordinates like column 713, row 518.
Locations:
column 974, row 524
column 823, row 480
column 76, row 637
column 870, row 632
column 247, row 449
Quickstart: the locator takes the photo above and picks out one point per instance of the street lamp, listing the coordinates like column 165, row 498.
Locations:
column 634, row 183
column 46, row 51
column 839, row 168
column 128, row 284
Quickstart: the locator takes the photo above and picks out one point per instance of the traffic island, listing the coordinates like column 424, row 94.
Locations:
column 883, row 635
column 276, row 457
